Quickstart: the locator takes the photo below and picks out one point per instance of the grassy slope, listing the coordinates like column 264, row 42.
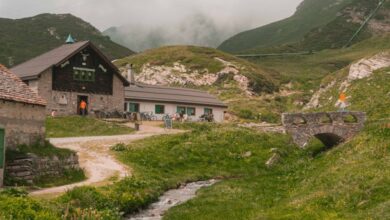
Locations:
column 310, row 14
column 348, row 182
column 301, row 186
column 75, row 126
column 36, row 39
column 371, row 94
column 338, row 32
column 306, row 72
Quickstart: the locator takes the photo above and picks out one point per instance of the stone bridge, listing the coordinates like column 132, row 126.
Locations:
column 331, row 128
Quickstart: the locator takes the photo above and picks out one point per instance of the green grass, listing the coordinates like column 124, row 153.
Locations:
column 165, row 162
column 326, row 186
column 66, row 177
column 370, row 95
column 309, row 184
column 45, row 150
column 75, row 126
column 347, row 182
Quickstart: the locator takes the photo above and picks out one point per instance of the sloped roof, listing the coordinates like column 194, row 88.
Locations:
column 149, row 93
column 33, row 68
column 12, row 88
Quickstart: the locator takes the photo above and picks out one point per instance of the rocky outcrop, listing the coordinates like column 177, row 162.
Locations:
column 365, row 68
column 362, row 69
column 179, row 74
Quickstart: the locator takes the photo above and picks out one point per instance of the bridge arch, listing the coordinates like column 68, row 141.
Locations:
column 331, row 128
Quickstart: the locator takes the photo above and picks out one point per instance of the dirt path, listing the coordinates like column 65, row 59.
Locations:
column 95, row 158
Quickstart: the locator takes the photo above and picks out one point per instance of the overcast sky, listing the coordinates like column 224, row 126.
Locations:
column 106, row 13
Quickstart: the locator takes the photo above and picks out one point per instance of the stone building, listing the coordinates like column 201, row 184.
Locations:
column 22, row 115
column 71, row 73
column 161, row 100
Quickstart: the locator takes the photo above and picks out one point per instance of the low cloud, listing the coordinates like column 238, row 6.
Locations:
column 200, row 22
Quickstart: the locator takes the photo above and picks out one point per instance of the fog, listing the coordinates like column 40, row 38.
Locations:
column 143, row 24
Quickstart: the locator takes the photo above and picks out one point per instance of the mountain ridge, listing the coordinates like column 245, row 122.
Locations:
column 316, row 25
column 44, row 32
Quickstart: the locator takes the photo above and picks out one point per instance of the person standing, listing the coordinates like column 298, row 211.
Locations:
column 343, row 102
column 83, row 107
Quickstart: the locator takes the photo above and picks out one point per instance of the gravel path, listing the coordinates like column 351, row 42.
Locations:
column 95, row 158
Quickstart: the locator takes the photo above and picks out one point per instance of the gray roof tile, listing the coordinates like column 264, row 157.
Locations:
column 33, row 68
column 12, row 88
column 142, row 92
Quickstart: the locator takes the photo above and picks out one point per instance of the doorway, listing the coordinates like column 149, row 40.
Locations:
column 81, row 98
column 2, row 148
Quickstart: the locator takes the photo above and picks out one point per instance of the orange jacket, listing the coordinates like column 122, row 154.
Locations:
column 83, row 105
column 342, row 97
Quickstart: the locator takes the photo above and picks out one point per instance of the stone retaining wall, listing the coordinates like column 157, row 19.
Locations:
column 31, row 167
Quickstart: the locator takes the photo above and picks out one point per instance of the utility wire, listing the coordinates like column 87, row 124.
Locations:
column 365, row 23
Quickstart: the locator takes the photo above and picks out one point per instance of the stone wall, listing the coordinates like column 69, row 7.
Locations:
column 31, row 167
column 65, row 103
column 23, row 123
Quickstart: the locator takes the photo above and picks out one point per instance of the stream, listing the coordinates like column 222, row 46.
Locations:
column 170, row 199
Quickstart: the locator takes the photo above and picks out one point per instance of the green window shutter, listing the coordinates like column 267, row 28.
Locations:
column 181, row 109
column 134, row 107
column 208, row 111
column 159, row 109
column 191, row 111
column 2, row 153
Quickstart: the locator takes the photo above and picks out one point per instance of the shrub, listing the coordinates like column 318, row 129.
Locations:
column 24, row 208
column 119, row 147
column 87, row 197
column 246, row 114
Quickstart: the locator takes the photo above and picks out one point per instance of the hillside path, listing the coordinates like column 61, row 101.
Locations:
column 95, row 157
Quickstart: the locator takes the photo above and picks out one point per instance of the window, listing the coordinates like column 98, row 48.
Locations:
column 190, row 111
column 181, row 109
column 133, row 107
column 159, row 109
column 83, row 74
column 208, row 111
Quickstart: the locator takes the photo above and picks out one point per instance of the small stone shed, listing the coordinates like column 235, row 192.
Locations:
column 22, row 115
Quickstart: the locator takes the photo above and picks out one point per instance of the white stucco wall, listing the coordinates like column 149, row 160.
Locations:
column 171, row 109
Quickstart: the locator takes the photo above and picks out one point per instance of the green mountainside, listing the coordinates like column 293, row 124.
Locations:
column 316, row 25
column 309, row 14
column 23, row 39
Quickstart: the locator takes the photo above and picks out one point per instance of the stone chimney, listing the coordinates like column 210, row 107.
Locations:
column 130, row 75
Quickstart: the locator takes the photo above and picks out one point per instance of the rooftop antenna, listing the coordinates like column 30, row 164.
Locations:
column 70, row 39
